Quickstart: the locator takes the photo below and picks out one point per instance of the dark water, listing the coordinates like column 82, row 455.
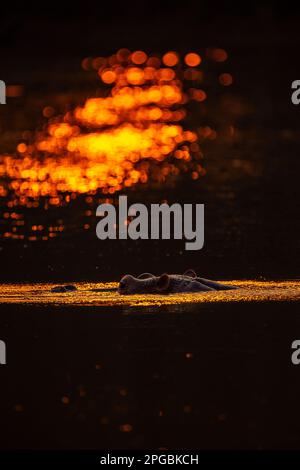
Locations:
column 250, row 191
column 251, row 225
column 197, row 377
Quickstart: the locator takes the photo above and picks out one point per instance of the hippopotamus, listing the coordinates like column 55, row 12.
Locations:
column 147, row 283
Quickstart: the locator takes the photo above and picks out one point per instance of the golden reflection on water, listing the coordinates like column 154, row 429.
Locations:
column 93, row 294
column 111, row 141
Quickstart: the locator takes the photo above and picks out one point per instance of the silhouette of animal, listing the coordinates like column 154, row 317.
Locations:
column 147, row 283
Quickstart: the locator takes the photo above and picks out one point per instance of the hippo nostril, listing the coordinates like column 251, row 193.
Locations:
column 122, row 286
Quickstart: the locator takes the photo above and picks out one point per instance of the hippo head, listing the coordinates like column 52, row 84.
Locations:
column 145, row 284
column 190, row 273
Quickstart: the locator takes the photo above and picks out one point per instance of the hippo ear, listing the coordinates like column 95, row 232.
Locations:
column 145, row 276
column 163, row 282
column 190, row 273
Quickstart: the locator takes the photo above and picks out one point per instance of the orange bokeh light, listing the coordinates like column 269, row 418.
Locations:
column 130, row 132
column 135, row 76
column 192, row 74
column 48, row 111
column 192, row 59
column 166, row 74
column 14, row 91
column 108, row 76
column 86, row 63
column 123, row 55
column 198, row 95
column 138, row 57
column 217, row 54
column 153, row 62
column 22, row 148
column 226, row 79
column 170, row 59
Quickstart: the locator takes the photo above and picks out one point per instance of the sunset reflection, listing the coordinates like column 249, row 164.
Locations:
column 110, row 142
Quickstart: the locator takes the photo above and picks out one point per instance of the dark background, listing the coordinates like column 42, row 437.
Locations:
column 251, row 187
column 216, row 376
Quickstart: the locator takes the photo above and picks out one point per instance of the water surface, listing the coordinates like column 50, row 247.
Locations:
column 100, row 294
